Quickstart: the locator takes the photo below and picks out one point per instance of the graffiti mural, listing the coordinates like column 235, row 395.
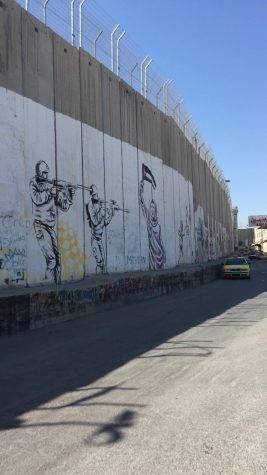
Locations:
column 157, row 257
column 72, row 258
column 13, row 230
column 99, row 215
column 48, row 195
column 189, row 230
column 181, row 235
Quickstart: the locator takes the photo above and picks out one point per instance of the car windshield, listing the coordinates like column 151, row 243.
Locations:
column 235, row 262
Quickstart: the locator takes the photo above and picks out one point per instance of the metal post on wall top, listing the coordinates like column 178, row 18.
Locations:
column 166, row 86
column 142, row 74
column 112, row 46
column 72, row 21
column 95, row 41
column 145, row 76
column 118, row 52
column 80, row 22
column 44, row 9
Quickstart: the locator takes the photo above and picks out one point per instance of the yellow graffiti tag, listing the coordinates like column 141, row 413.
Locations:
column 72, row 258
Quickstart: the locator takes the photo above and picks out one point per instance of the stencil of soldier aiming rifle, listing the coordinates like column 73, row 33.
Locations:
column 46, row 196
column 99, row 214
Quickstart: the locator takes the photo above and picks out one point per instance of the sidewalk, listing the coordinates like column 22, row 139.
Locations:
column 24, row 308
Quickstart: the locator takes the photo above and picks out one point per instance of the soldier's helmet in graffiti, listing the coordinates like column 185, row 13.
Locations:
column 41, row 170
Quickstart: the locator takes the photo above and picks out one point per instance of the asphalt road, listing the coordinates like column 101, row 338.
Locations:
column 174, row 385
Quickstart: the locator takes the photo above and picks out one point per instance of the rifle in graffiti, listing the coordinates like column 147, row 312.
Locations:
column 114, row 205
column 65, row 184
column 60, row 184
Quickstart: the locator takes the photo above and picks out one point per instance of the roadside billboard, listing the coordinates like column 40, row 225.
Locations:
column 258, row 220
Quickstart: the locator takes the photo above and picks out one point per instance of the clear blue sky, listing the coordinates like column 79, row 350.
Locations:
column 216, row 52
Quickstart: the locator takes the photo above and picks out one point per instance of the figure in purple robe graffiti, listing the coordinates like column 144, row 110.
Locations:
column 157, row 257
column 99, row 214
column 46, row 196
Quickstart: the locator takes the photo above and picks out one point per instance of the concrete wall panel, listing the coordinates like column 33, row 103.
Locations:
column 128, row 114
column 195, row 179
column 67, row 79
column 13, row 226
column 169, row 219
column 71, row 221
column 182, row 231
column 166, row 140
column 174, row 145
column 37, row 146
column 93, row 174
column 177, row 216
column 133, row 258
column 145, row 197
column 37, row 67
column 201, row 182
column 111, row 103
column 189, row 162
column 183, row 155
column 158, row 197
column 143, row 125
column 191, row 225
column 91, row 91
column 113, row 189
column 155, row 131
column 178, row 148
column 10, row 46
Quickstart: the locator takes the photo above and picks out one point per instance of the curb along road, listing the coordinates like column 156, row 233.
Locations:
column 26, row 309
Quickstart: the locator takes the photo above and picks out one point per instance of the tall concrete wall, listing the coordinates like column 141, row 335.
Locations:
column 94, row 178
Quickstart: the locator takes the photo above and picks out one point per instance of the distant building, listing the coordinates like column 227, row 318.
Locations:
column 235, row 227
column 260, row 239
column 246, row 237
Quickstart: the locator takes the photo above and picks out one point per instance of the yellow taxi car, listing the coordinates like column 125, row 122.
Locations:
column 236, row 267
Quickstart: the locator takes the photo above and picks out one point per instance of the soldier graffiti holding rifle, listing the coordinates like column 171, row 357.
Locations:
column 46, row 196
column 99, row 214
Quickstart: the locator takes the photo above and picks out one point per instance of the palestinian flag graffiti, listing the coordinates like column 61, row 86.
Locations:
column 148, row 176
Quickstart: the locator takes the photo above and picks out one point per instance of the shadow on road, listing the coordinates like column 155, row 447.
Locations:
column 39, row 366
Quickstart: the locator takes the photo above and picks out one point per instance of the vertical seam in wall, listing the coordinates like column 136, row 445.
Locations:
column 180, row 176
column 104, row 168
column 122, row 176
column 174, row 218
column 138, row 168
column 82, row 153
column 193, row 208
column 24, row 157
column 163, row 193
column 55, row 119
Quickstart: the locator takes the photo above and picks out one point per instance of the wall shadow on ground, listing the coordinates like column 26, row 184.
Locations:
column 38, row 366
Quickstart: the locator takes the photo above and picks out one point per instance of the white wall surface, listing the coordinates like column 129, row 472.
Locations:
column 80, row 154
column 71, row 222
column 13, row 223
column 169, row 217
column 133, row 258
column 39, row 144
column 93, row 172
